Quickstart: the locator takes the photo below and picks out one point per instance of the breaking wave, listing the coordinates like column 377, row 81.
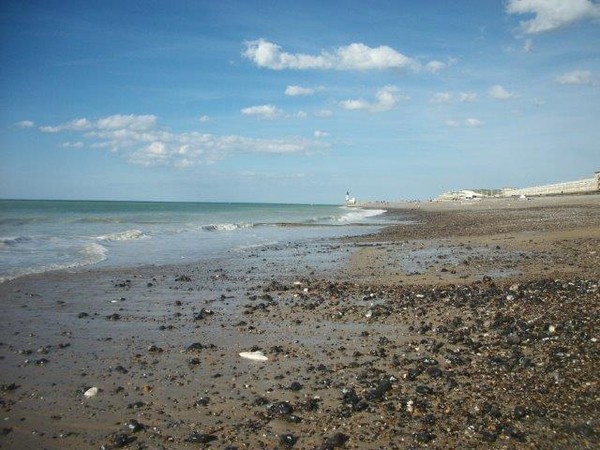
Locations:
column 227, row 226
column 129, row 235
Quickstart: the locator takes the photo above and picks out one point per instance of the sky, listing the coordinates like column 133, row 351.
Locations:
column 295, row 102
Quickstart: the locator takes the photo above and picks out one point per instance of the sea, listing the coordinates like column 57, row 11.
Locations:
column 39, row 236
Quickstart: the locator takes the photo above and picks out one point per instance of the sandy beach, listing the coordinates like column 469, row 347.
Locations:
column 475, row 325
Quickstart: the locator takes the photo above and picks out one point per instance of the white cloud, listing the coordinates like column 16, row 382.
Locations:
column 204, row 119
column 262, row 111
column 131, row 122
column 298, row 90
column 77, row 144
column 356, row 56
column 470, row 123
column 141, row 141
column 355, row 105
column 300, row 115
column 576, row 77
column 73, row 125
column 528, row 46
column 468, row 97
column 117, row 121
column 553, row 14
column 386, row 99
column 473, row 123
column 499, row 93
column 435, row 66
column 441, row 97
column 320, row 134
column 25, row 124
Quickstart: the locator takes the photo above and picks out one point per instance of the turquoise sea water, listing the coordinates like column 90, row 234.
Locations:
column 37, row 236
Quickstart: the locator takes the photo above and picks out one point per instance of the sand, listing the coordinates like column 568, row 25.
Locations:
column 476, row 326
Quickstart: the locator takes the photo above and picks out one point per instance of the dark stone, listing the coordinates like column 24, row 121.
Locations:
column 121, row 369
column 424, row 437
column 122, row 440
column 134, row 426
column 183, row 278
column 201, row 438
column 288, row 440
column 82, row 315
column 424, row 390
column 379, row 392
column 520, row 412
column 203, row 401
column 114, row 316
column 10, row 387
column 280, row 408
column 195, row 347
column 295, row 386
column 336, row 441
column 434, row 372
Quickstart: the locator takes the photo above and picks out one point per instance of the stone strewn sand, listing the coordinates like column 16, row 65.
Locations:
column 477, row 328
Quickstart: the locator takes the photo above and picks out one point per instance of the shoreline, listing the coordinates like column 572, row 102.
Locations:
column 475, row 328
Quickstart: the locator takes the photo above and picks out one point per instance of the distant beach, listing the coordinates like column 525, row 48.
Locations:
column 467, row 324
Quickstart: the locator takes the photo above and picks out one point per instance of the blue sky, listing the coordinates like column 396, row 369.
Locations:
column 282, row 101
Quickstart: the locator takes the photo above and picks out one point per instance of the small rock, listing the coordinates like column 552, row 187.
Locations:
column 122, row 440
column 513, row 339
column 288, row 440
column 201, row 438
column 91, row 392
column 336, row 441
column 296, row 386
column 134, row 426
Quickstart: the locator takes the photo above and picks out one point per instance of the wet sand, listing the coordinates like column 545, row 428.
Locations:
column 474, row 327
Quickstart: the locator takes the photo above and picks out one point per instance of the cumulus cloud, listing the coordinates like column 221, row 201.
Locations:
column 25, row 124
column 386, row 99
column 262, row 111
column 553, row 14
column 294, row 91
column 204, row 119
column 73, row 125
column 434, row 66
column 499, row 93
column 468, row 97
column 141, row 141
column 576, row 77
column 320, row 134
column 356, row 56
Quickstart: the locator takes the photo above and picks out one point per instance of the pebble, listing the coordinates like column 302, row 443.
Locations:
column 91, row 392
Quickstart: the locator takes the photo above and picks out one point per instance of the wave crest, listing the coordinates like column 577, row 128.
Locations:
column 227, row 226
column 129, row 235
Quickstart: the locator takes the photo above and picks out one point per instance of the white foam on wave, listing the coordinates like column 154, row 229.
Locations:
column 91, row 254
column 358, row 215
column 129, row 235
column 227, row 226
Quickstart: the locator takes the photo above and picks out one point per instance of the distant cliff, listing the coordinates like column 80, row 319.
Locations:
column 569, row 187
